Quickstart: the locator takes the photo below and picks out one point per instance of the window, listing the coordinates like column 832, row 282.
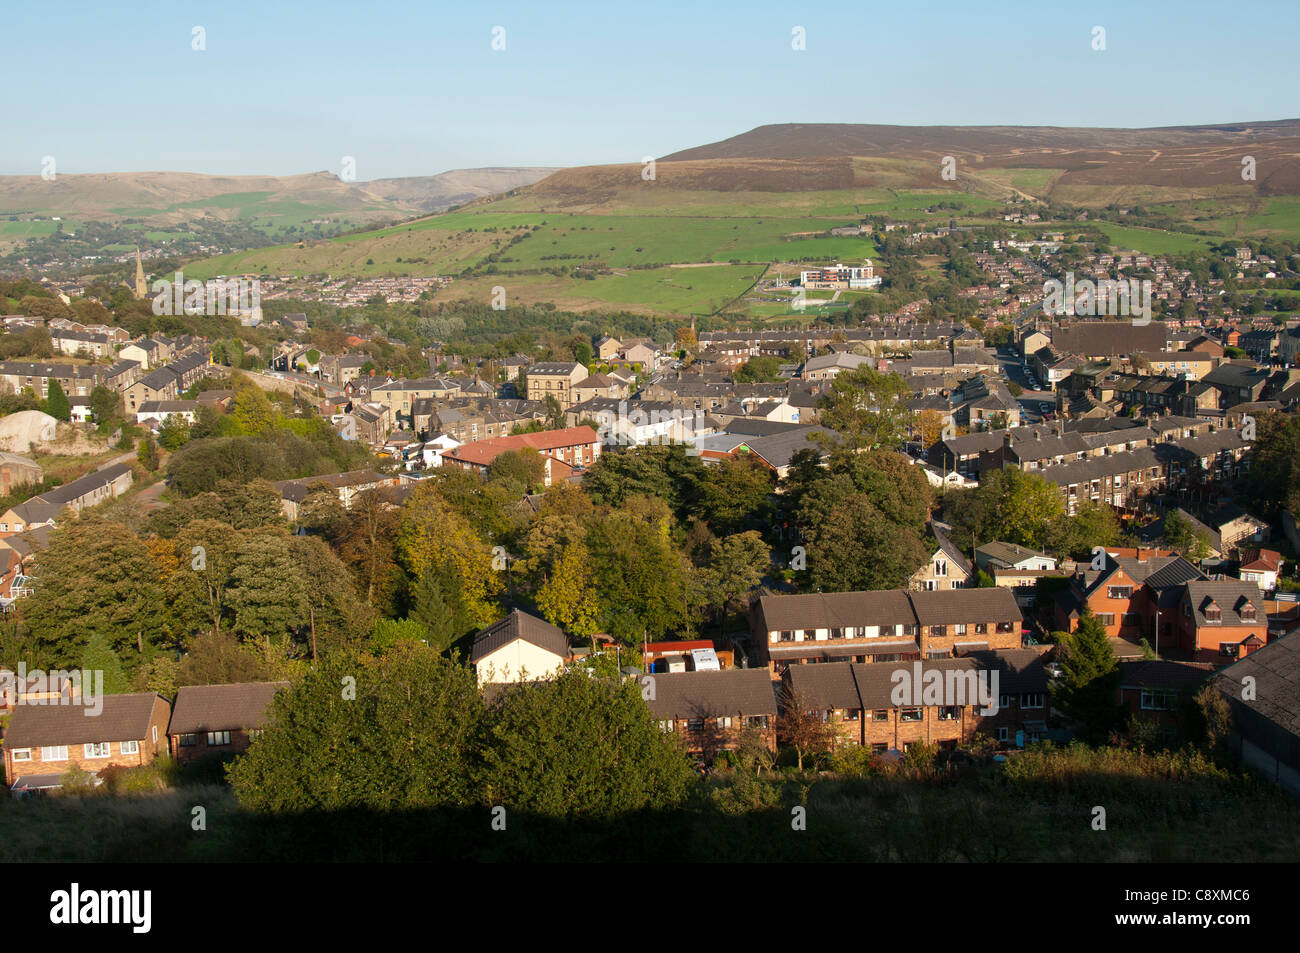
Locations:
column 852, row 714
column 155, row 734
column 1031, row 700
column 254, row 733
column 981, row 628
column 959, row 628
column 948, row 714
column 879, row 748
column 186, row 740
column 1153, row 700
column 938, row 631
column 1119, row 592
column 787, row 636
column 1107, row 618
column 1228, row 649
column 880, row 714
column 1004, row 734
column 1248, row 612
column 1213, row 613
column 910, row 714
column 131, row 747
column 887, row 631
column 756, row 721
column 1004, row 701
column 929, row 585
column 94, row 750
column 666, row 725
column 723, row 722
column 218, row 738
column 941, row 567
column 22, row 754
column 54, row 753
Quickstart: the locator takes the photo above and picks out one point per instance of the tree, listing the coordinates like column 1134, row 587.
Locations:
column 253, row 413
column 801, row 727
column 100, row 657
column 57, row 404
column 148, row 453
column 568, row 598
column 388, row 733
column 736, row 566
column 1179, row 534
column 734, row 493
column 97, row 577
column 1089, row 684
column 174, row 432
column 867, row 409
column 573, row 746
column 524, row 467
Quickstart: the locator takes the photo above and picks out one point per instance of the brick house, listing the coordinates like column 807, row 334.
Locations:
column 947, row 567
column 1221, row 621
column 42, row 741
column 94, row 488
column 859, row 699
column 884, row 626
column 574, row 447
column 1158, row 691
column 707, row 711
column 210, row 720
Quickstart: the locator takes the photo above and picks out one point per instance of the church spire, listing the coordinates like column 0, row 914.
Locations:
column 141, row 288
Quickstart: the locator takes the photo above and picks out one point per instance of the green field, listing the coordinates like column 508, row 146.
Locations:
column 1152, row 241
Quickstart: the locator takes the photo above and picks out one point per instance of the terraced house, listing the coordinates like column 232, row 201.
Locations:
column 861, row 702
column 887, row 626
column 707, row 711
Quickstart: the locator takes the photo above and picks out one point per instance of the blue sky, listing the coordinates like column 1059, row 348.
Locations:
column 415, row 88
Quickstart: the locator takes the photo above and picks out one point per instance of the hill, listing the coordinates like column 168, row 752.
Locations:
column 696, row 231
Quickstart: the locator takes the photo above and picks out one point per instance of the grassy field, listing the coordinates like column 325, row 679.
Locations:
column 1152, row 241
column 1038, row 807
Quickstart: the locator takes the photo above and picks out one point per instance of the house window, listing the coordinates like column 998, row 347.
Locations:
column 130, row 747
column 1213, row 613
column 910, row 714
column 852, row 714
column 941, row 567
column 1107, row 618
column 887, row 631
column 1248, row 612
column 1228, row 649
column 666, row 725
column 96, row 750
column 218, row 738
column 1004, row 734
column 981, row 628
column 1004, row 701
column 1119, row 592
column 938, row 631
column 187, row 740
column 155, row 734
column 724, row 722
column 787, row 636
column 1031, row 700
column 879, row 748
column 880, row 714
column 22, row 754
column 959, row 628
column 54, row 753
column 948, row 714
column 1153, row 700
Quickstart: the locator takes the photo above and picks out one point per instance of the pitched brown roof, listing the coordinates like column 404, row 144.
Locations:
column 837, row 609
column 824, row 686
column 519, row 625
column 951, row 606
column 222, row 707
column 733, row 691
column 124, row 718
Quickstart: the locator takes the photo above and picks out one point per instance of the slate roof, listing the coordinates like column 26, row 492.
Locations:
column 1164, row 674
column 1231, row 598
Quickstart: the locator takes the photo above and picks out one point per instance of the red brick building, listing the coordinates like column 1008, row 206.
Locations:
column 219, row 719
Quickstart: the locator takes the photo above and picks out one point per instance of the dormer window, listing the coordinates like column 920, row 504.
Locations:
column 1248, row 611
column 1213, row 613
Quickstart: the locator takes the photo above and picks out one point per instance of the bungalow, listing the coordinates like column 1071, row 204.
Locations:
column 43, row 741
column 219, row 719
